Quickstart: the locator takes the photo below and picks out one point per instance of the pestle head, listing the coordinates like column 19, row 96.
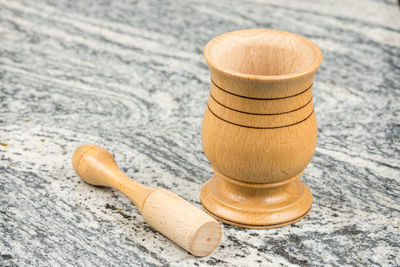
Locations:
column 182, row 222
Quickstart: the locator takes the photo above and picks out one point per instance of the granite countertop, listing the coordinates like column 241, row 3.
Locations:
column 130, row 76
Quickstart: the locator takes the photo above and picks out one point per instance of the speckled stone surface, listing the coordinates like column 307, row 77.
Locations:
column 130, row 76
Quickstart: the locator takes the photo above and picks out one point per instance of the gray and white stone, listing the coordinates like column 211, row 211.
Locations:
column 130, row 76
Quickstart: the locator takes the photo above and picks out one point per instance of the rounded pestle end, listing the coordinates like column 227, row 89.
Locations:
column 91, row 162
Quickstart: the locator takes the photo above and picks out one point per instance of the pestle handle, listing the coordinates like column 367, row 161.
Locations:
column 171, row 215
column 96, row 166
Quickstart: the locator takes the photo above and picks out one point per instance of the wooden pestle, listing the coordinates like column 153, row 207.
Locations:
column 171, row 215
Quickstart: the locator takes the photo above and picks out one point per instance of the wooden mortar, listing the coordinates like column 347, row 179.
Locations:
column 259, row 129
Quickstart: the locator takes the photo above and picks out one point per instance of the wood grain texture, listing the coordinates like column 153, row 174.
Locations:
column 188, row 226
column 130, row 76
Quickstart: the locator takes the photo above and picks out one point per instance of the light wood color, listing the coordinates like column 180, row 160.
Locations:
column 259, row 129
column 174, row 217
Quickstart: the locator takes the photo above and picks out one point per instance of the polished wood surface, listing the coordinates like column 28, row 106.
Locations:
column 259, row 129
column 185, row 224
